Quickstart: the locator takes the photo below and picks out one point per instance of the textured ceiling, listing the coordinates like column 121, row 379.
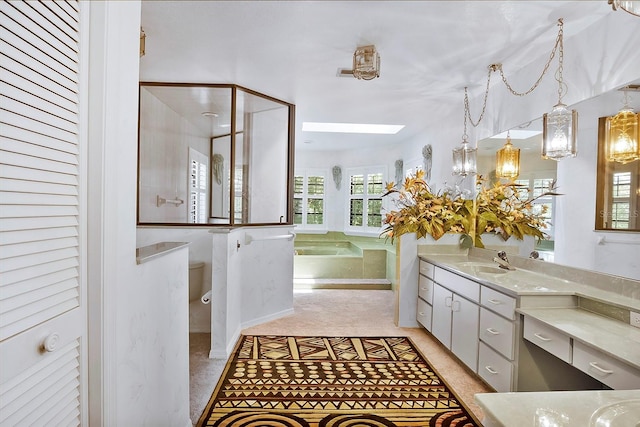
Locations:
column 292, row 50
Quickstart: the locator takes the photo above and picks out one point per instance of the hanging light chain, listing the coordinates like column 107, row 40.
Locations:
column 557, row 47
column 467, row 111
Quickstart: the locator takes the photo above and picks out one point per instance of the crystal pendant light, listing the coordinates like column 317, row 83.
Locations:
column 465, row 158
column 366, row 63
column 508, row 160
column 631, row 6
column 623, row 135
column 560, row 125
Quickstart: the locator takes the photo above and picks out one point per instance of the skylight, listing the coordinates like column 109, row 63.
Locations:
column 351, row 128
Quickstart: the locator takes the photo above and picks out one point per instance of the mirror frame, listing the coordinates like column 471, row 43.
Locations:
column 290, row 160
column 602, row 180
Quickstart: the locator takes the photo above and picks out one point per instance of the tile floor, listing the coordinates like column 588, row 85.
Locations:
column 335, row 312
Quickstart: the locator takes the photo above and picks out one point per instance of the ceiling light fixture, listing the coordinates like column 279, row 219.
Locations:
column 351, row 128
column 366, row 63
column 622, row 133
column 508, row 160
column 560, row 126
column 632, row 7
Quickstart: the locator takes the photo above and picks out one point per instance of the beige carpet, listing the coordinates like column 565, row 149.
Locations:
column 336, row 313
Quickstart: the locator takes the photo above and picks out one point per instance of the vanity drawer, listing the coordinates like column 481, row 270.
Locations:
column 547, row 338
column 497, row 332
column 498, row 302
column 458, row 284
column 424, row 314
column 604, row 368
column 425, row 289
column 494, row 369
column 427, row 269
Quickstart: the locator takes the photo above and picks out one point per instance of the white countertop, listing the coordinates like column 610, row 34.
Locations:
column 610, row 408
column 536, row 280
column 614, row 338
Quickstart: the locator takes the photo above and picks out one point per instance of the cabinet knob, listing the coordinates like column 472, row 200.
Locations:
column 50, row 343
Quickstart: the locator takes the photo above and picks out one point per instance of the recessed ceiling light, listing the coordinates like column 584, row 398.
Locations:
column 517, row 134
column 350, row 128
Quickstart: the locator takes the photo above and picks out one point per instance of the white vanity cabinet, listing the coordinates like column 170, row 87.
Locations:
column 455, row 316
column 425, row 294
column 498, row 338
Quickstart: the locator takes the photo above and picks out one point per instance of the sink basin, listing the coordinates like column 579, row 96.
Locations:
column 489, row 269
column 625, row 413
column 482, row 267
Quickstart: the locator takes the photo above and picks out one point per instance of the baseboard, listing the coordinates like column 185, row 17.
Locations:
column 268, row 318
column 189, row 423
column 340, row 283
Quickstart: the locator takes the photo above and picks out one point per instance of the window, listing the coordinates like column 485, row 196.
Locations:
column 365, row 200
column 620, row 206
column 534, row 188
column 309, row 199
column 198, row 176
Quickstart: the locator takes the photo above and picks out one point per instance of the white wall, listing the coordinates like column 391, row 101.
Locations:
column 165, row 138
column 137, row 370
column 252, row 282
column 336, row 200
column 594, row 63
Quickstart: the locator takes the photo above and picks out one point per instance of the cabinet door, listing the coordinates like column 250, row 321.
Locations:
column 464, row 331
column 441, row 319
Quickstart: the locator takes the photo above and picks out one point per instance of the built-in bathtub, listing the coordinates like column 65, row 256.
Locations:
column 339, row 261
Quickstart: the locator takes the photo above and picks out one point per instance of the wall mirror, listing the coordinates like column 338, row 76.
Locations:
column 213, row 155
column 536, row 174
column 617, row 191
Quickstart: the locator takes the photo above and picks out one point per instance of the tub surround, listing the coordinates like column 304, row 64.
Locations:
column 334, row 259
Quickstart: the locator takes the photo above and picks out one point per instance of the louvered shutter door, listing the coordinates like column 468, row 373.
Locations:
column 41, row 318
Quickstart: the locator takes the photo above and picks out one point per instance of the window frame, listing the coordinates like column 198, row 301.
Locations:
column 305, row 196
column 366, row 197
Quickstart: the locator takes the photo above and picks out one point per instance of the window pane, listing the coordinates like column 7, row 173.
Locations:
column 541, row 185
column 622, row 184
column 357, row 184
column 374, row 212
column 297, row 211
column 374, row 183
column 355, row 212
column 620, row 215
column 315, row 185
column 298, row 184
column 522, row 192
column 315, row 211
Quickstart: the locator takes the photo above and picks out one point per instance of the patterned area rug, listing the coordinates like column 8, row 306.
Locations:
column 280, row 381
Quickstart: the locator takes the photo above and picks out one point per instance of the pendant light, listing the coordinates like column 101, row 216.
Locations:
column 622, row 135
column 465, row 158
column 561, row 124
column 508, row 160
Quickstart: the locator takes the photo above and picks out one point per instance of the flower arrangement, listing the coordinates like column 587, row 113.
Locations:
column 496, row 209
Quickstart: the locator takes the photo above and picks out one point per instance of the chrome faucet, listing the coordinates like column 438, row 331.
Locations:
column 503, row 261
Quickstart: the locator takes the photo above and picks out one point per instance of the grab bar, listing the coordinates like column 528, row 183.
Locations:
column 161, row 201
column 248, row 238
